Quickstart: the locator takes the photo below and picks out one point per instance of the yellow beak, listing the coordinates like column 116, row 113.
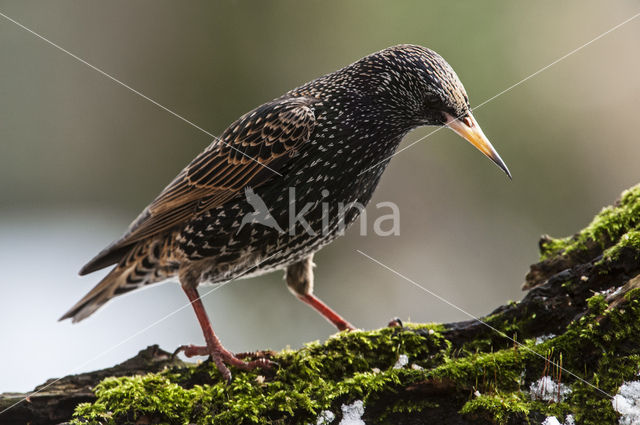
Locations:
column 469, row 129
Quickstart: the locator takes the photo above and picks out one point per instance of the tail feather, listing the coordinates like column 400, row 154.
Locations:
column 116, row 251
column 147, row 262
column 110, row 255
column 99, row 295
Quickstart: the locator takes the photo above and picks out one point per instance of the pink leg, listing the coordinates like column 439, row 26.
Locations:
column 326, row 312
column 220, row 355
column 299, row 277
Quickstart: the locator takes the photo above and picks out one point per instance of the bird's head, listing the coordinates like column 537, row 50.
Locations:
column 428, row 91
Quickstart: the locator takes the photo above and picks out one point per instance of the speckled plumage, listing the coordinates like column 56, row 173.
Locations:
column 317, row 140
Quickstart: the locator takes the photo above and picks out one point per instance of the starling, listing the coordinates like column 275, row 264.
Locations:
column 323, row 145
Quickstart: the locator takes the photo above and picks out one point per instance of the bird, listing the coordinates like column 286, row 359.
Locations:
column 326, row 144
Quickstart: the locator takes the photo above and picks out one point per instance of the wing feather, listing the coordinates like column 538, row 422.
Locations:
column 249, row 153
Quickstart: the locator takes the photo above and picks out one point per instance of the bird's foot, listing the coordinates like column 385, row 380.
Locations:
column 344, row 326
column 222, row 357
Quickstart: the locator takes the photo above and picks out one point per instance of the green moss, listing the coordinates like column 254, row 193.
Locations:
column 633, row 294
column 597, row 347
column 597, row 303
column 349, row 366
column 629, row 241
column 486, row 372
column 359, row 365
column 504, row 331
column 405, row 407
column 606, row 228
column 559, row 410
column 130, row 398
column 498, row 408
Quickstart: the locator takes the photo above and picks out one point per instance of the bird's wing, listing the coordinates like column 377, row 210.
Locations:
column 248, row 153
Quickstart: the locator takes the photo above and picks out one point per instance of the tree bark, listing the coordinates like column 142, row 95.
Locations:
column 53, row 402
column 577, row 325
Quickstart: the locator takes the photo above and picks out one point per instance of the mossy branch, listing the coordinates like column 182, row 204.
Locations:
column 576, row 330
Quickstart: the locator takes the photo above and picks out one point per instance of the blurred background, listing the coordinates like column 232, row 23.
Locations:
column 80, row 156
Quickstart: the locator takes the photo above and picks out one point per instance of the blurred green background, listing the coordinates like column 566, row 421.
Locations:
column 80, row 156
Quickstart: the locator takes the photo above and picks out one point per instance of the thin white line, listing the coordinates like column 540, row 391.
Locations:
column 544, row 68
column 362, row 253
column 162, row 319
column 95, row 68
column 499, row 332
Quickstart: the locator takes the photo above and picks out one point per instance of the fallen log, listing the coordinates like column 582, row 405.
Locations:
column 569, row 351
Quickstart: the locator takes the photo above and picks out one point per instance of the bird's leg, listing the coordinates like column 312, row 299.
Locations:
column 299, row 277
column 220, row 355
column 326, row 311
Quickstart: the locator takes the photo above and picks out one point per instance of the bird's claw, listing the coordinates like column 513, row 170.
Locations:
column 395, row 323
column 222, row 358
column 193, row 350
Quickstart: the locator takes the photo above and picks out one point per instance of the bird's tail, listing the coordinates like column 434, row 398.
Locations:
column 146, row 263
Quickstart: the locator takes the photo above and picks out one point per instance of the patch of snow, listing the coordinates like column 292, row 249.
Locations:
column 606, row 292
column 612, row 292
column 543, row 338
column 402, row 361
column 325, row 418
column 547, row 389
column 617, row 291
column 352, row 413
column 627, row 403
column 552, row 420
